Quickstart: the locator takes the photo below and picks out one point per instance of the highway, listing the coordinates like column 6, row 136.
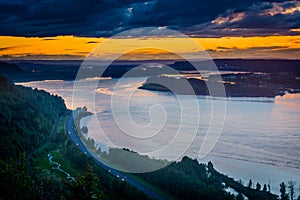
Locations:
column 116, row 173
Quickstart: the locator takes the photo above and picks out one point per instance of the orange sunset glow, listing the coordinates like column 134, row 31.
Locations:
column 71, row 47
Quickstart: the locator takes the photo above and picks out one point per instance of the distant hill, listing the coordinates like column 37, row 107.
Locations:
column 259, row 65
column 20, row 71
column 13, row 71
column 251, row 65
column 10, row 68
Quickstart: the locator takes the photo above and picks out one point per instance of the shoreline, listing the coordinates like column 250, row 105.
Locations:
column 244, row 170
column 258, row 172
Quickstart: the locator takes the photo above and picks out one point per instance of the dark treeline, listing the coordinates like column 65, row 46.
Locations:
column 249, row 192
column 189, row 179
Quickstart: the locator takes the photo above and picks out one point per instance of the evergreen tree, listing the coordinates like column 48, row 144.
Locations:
column 15, row 182
column 239, row 197
column 283, row 194
column 258, row 186
column 250, row 183
column 291, row 187
column 85, row 187
column 265, row 188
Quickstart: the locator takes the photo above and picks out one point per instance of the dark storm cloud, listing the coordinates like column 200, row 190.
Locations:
column 58, row 17
column 108, row 17
column 278, row 20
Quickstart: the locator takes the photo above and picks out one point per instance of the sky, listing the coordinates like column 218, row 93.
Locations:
column 71, row 29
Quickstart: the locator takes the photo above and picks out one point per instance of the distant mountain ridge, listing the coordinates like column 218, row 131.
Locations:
column 34, row 70
column 257, row 65
column 8, row 67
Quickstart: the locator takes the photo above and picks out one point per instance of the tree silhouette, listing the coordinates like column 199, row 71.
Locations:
column 258, row 186
column 239, row 197
column 85, row 187
column 265, row 188
column 291, row 187
column 283, row 194
column 250, row 183
column 15, row 181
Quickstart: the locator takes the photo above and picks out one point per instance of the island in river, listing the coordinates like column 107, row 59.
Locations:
column 248, row 84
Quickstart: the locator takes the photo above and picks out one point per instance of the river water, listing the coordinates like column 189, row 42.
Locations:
column 259, row 140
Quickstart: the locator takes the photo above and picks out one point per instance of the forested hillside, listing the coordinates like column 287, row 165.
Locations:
column 27, row 117
column 32, row 127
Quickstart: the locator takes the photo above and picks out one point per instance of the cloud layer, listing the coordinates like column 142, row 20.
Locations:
column 103, row 18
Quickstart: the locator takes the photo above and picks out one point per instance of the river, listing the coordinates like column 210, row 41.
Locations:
column 259, row 140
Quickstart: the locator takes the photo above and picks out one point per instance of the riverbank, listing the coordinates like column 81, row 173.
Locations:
column 257, row 172
column 238, row 169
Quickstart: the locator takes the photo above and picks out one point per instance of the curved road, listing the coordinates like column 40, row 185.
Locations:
column 77, row 141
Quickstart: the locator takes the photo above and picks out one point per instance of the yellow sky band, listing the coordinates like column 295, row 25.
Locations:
column 71, row 47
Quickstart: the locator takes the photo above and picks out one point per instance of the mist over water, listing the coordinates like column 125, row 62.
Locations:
column 260, row 138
